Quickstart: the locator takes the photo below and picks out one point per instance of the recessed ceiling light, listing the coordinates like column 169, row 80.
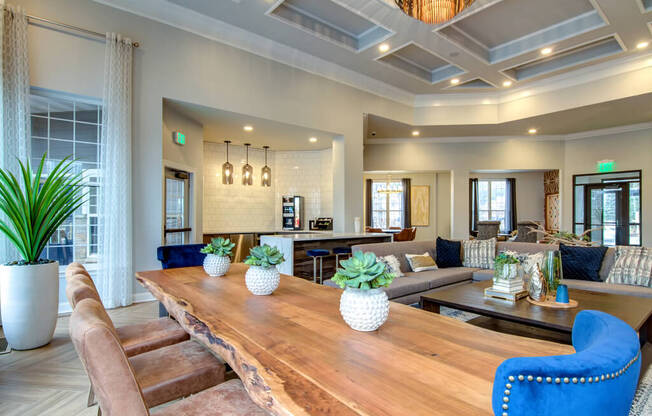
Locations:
column 642, row 45
column 546, row 51
column 486, row 101
column 507, row 83
column 248, row 128
column 532, row 131
column 455, row 81
column 383, row 47
column 313, row 140
column 415, row 132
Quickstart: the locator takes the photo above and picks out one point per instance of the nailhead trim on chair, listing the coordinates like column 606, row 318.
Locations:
column 566, row 380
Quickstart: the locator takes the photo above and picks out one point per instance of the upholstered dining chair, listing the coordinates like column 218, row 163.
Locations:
column 119, row 388
column 599, row 379
column 407, row 234
column 183, row 255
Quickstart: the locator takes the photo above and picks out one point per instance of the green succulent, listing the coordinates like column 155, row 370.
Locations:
column 363, row 271
column 220, row 246
column 264, row 256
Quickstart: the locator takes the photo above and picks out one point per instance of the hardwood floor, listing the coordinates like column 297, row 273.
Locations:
column 51, row 380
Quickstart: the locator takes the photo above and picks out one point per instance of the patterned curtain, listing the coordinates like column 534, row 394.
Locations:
column 115, row 269
column 14, row 96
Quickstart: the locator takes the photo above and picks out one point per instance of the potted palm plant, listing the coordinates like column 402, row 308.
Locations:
column 364, row 304
column 218, row 256
column 263, row 277
column 29, row 287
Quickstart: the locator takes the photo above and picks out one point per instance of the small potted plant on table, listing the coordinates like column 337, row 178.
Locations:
column 218, row 256
column 263, row 277
column 29, row 287
column 364, row 304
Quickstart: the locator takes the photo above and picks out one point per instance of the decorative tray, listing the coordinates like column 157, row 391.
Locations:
column 551, row 303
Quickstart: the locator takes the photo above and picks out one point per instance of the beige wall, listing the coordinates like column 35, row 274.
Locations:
column 429, row 179
column 179, row 65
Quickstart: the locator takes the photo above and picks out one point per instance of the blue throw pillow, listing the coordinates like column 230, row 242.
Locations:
column 448, row 253
column 582, row 263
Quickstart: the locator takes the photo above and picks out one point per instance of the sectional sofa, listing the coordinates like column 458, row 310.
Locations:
column 408, row 289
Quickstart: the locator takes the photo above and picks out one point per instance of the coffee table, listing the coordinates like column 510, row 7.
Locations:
column 636, row 311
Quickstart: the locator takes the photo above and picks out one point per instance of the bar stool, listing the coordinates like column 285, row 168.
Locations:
column 317, row 253
column 341, row 251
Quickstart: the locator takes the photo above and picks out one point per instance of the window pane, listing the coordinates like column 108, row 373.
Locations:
column 635, row 202
column 61, row 108
column 39, row 148
column 499, row 216
column 60, row 149
column 86, row 112
column 60, row 129
column 498, row 195
column 174, row 204
column 86, row 152
column 379, row 219
column 579, row 203
column 483, row 215
column 483, row 195
column 379, row 199
column 396, row 219
column 86, row 132
column 609, row 232
column 579, row 229
column 635, row 235
column 396, row 201
column 39, row 126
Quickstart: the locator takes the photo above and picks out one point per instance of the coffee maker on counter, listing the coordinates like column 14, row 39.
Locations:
column 293, row 208
column 324, row 223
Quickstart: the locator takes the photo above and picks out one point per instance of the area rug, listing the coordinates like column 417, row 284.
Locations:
column 642, row 404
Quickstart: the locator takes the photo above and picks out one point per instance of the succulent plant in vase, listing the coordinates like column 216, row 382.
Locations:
column 506, row 267
column 263, row 277
column 218, row 256
column 364, row 304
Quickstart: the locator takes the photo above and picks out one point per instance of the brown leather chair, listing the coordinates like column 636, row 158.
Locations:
column 374, row 230
column 120, row 391
column 137, row 338
column 407, row 234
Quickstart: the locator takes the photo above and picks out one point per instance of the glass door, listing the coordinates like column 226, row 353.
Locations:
column 607, row 209
column 177, row 207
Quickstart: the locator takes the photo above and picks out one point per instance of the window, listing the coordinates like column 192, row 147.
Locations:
column 387, row 204
column 63, row 126
column 491, row 201
column 610, row 205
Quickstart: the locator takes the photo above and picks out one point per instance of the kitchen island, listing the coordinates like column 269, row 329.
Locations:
column 294, row 247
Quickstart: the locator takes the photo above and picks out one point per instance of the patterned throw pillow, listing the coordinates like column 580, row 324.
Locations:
column 633, row 266
column 421, row 262
column 448, row 253
column 392, row 264
column 480, row 253
column 581, row 263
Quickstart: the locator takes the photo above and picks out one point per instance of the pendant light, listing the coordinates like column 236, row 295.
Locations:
column 227, row 168
column 266, row 172
column 247, row 170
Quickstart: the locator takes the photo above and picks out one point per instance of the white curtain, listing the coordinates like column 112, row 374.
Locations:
column 115, row 273
column 14, row 99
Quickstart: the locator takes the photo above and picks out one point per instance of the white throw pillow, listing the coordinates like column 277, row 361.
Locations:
column 479, row 253
column 393, row 265
column 421, row 262
column 633, row 266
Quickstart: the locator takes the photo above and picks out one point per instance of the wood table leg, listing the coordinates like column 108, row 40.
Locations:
column 429, row 306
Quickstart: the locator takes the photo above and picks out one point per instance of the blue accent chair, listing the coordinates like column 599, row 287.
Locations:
column 172, row 257
column 599, row 379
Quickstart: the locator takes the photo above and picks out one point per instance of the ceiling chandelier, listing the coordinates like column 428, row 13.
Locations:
column 433, row 11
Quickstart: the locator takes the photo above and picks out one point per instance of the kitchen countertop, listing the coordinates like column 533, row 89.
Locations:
column 315, row 236
column 268, row 232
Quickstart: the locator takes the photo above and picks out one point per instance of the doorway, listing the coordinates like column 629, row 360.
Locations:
column 610, row 205
column 177, row 227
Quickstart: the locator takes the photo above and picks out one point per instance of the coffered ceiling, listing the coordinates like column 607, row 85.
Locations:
column 491, row 44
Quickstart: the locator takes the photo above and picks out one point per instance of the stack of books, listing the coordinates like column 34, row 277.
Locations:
column 511, row 290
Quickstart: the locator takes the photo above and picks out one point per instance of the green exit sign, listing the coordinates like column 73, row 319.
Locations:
column 179, row 138
column 606, row 166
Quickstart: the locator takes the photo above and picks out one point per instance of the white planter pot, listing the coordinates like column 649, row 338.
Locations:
column 29, row 301
column 262, row 281
column 364, row 310
column 215, row 265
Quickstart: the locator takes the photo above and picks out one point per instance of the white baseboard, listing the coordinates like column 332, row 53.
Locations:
column 64, row 307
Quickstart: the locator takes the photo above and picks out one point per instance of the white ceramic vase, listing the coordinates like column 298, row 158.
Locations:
column 262, row 281
column 215, row 265
column 364, row 310
column 29, row 298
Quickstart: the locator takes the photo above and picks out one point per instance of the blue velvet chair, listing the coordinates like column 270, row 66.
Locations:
column 172, row 257
column 599, row 379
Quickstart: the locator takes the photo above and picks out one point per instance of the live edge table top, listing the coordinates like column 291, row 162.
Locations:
column 636, row 311
column 296, row 356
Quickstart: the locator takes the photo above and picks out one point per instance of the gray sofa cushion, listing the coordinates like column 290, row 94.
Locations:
column 399, row 249
column 524, row 247
column 609, row 288
column 482, row 275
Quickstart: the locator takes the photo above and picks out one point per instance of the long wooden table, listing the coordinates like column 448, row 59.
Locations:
column 296, row 356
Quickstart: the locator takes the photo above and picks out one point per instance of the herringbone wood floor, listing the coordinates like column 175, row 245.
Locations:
column 51, row 380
